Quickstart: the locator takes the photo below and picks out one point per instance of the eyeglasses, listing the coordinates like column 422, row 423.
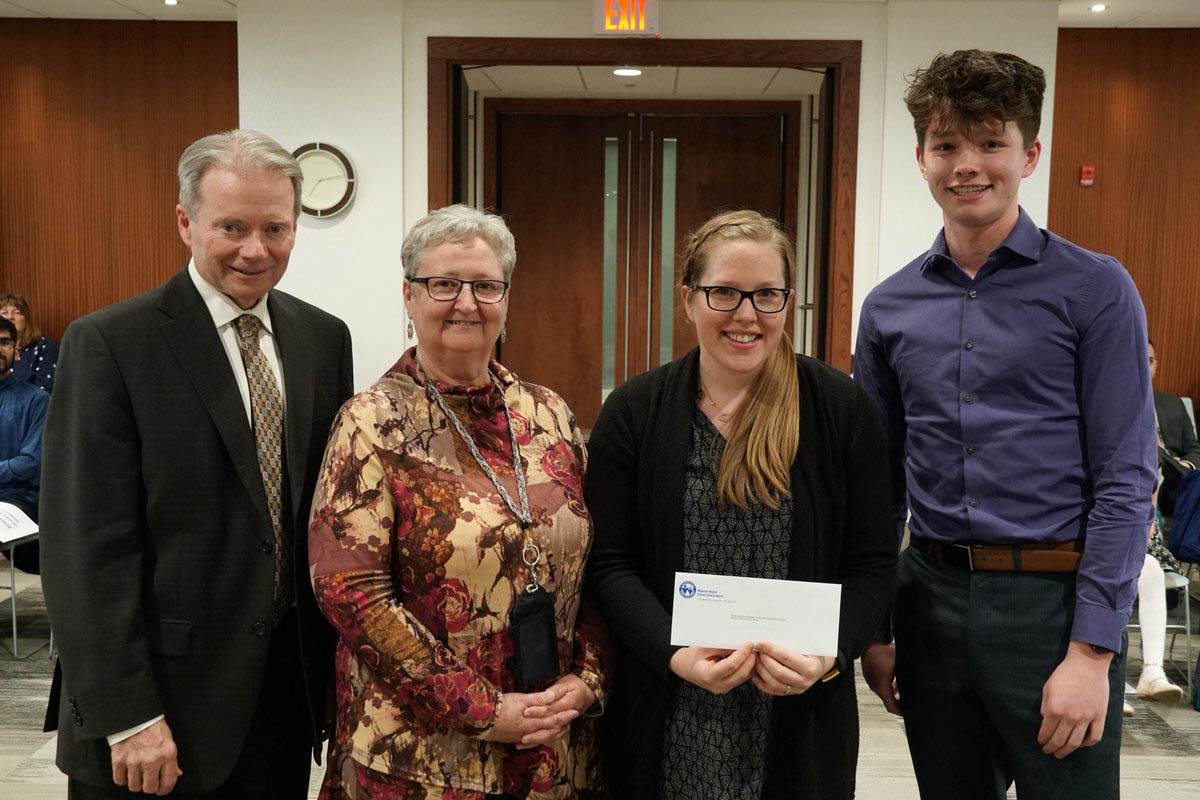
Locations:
column 727, row 298
column 484, row 291
column 6, row 342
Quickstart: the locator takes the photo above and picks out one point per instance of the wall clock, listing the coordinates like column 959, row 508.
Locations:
column 329, row 180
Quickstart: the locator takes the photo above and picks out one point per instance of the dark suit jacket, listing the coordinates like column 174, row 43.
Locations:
column 154, row 529
column 1178, row 434
column 637, row 462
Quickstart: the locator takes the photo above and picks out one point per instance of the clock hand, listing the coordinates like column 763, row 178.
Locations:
column 318, row 183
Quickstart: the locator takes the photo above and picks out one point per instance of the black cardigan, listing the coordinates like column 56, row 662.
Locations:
column 637, row 456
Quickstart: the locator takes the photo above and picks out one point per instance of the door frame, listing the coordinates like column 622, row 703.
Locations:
column 790, row 218
column 842, row 59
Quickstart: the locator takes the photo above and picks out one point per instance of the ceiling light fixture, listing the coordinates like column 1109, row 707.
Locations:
column 1098, row 7
column 171, row 2
column 627, row 72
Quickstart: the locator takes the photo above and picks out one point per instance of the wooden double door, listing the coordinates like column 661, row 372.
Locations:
column 601, row 197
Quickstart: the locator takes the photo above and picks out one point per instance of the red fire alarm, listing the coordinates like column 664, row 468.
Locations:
column 1087, row 175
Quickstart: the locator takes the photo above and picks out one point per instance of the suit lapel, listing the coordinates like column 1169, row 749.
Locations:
column 193, row 338
column 296, row 352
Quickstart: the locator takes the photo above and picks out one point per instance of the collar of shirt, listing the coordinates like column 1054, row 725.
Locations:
column 223, row 310
column 1023, row 245
column 7, row 380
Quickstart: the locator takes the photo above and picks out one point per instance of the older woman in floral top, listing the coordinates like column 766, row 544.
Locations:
column 449, row 490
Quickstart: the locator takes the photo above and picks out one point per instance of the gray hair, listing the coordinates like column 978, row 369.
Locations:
column 458, row 223
column 237, row 149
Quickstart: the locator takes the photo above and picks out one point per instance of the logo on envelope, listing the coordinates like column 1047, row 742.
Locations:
column 687, row 589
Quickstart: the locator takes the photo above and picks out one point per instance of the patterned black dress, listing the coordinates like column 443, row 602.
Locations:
column 715, row 744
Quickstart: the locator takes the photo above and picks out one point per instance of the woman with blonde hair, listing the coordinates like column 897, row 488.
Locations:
column 37, row 355
column 740, row 458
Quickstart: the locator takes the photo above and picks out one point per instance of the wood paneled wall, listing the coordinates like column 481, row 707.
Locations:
column 1128, row 102
column 93, row 118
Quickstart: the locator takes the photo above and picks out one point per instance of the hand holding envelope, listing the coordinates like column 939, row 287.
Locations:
column 784, row 632
column 716, row 669
column 781, row 671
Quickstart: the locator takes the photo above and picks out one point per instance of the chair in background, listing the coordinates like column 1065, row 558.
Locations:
column 1182, row 623
column 6, row 547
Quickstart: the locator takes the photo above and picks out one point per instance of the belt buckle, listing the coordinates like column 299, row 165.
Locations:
column 970, row 555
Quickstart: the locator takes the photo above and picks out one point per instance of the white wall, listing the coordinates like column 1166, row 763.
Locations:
column 313, row 70
column 917, row 31
column 353, row 73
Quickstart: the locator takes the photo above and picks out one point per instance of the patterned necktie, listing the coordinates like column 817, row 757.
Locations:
column 266, row 410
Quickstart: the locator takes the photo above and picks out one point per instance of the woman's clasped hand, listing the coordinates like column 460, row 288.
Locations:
column 773, row 669
column 533, row 719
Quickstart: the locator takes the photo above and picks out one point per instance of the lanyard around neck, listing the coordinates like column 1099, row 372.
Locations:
column 530, row 553
column 521, row 513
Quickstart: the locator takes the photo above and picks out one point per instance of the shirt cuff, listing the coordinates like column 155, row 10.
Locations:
column 592, row 680
column 121, row 736
column 1098, row 625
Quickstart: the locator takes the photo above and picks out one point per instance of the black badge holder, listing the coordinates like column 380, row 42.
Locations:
column 534, row 663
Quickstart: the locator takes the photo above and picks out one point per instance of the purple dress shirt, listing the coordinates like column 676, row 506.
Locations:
column 1019, row 406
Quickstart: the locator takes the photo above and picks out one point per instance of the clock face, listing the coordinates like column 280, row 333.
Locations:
column 328, row 184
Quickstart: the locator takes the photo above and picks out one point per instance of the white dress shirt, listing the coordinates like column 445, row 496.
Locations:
column 224, row 312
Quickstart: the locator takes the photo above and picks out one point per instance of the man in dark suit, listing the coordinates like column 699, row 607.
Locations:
column 181, row 449
column 1178, row 452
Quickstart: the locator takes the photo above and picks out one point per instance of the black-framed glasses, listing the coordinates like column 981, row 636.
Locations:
column 727, row 298
column 485, row 291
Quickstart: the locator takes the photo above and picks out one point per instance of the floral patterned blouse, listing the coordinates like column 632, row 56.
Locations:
column 416, row 561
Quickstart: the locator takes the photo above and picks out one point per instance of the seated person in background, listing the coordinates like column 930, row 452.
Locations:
column 1152, row 614
column 22, row 412
column 1178, row 450
column 36, row 354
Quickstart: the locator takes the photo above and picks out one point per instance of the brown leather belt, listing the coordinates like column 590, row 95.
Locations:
column 1033, row 557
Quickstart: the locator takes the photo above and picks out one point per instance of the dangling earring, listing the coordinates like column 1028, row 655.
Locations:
column 410, row 329
column 503, row 334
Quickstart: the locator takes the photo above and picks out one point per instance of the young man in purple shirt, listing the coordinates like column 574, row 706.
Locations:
column 1009, row 365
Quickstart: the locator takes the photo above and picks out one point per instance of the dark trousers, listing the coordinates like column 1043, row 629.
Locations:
column 277, row 755
column 1172, row 472
column 973, row 651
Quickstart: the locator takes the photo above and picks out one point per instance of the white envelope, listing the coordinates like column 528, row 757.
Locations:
column 726, row 611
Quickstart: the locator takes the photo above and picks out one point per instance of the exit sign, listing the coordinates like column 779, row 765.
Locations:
column 625, row 17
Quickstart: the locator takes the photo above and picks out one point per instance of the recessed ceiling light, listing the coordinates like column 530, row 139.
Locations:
column 171, row 2
column 627, row 72
column 1098, row 7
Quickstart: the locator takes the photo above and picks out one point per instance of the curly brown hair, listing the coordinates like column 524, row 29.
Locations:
column 968, row 87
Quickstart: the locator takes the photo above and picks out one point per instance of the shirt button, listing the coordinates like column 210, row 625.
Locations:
column 971, row 294
column 974, row 502
column 966, row 397
column 267, row 546
column 968, row 344
column 260, row 629
column 970, row 449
